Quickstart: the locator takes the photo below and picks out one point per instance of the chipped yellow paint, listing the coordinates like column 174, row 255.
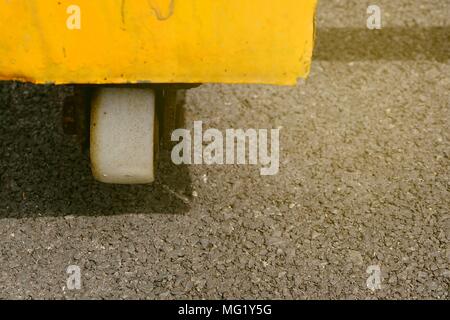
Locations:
column 159, row 41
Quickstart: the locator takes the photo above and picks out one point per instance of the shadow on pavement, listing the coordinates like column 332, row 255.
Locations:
column 357, row 44
column 44, row 173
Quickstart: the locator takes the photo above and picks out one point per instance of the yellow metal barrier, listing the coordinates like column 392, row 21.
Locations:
column 158, row 41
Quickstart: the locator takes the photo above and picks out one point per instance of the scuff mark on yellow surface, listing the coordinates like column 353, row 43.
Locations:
column 163, row 9
column 122, row 11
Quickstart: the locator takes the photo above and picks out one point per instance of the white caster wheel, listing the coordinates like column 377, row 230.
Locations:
column 123, row 135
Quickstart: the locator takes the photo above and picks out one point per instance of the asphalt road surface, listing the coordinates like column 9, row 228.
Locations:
column 363, row 181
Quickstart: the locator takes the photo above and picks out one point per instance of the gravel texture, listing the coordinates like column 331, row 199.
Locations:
column 364, row 180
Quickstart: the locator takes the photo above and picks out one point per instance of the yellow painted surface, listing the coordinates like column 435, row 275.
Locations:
column 159, row 41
